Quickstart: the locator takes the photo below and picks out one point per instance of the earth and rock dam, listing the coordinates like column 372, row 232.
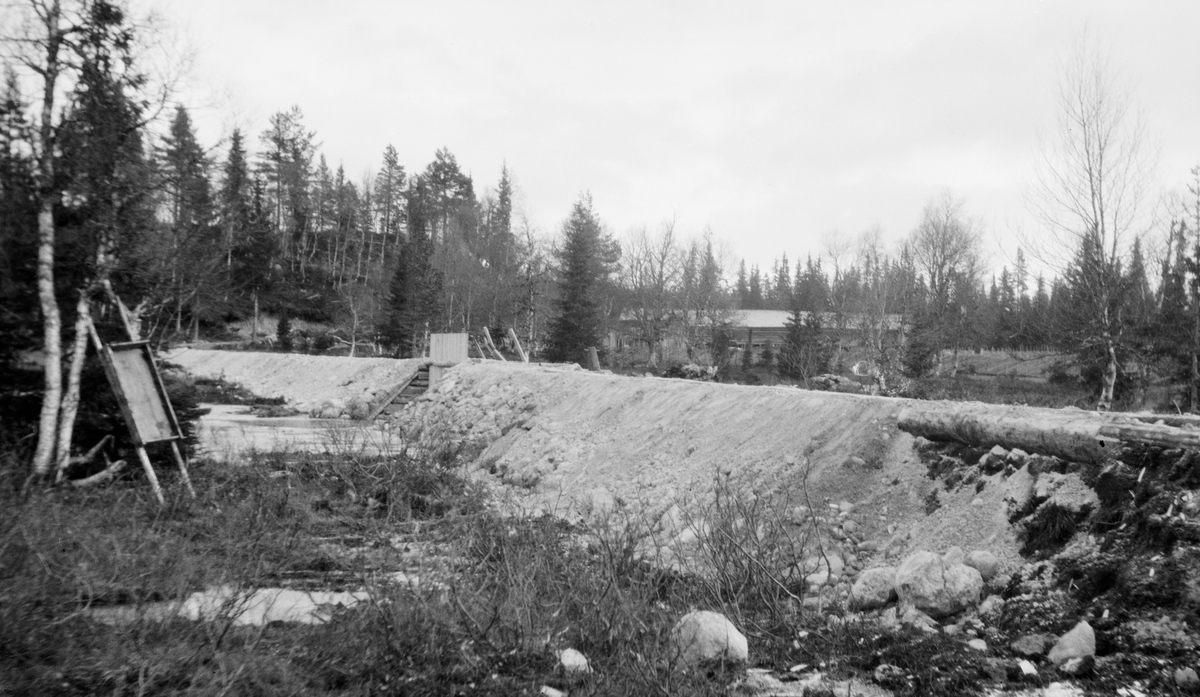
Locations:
column 1069, row 568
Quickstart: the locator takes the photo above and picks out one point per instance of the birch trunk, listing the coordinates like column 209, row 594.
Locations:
column 70, row 400
column 43, row 456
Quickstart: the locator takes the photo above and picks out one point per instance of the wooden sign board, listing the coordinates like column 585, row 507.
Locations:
column 448, row 348
column 140, row 392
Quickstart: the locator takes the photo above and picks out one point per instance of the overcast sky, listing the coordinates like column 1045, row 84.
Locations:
column 772, row 123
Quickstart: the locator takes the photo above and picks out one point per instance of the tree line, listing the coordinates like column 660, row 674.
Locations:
column 108, row 198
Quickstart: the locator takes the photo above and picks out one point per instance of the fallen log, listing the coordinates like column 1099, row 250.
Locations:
column 1070, row 435
column 106, row 475
column 1166, row 436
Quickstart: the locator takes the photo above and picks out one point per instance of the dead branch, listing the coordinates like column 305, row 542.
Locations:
column 106, row 475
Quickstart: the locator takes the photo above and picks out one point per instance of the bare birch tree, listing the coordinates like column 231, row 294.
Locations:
column 651, row 275
column 1090, row 192
column 945, row 248
column 41, row 39
column 54, row 42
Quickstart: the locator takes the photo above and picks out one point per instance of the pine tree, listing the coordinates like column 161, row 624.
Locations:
column 586, row 257
column 234, row 196
column 741, row 289
column 756, row 301
column 195, row 257
column 782, row 289
column 806, row 352
column 389, row 195
column 415, row 292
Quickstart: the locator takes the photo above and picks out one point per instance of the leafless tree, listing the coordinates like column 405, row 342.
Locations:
column 651, row 276
column 1090, row 194
column 945, row 249
column 880, row 294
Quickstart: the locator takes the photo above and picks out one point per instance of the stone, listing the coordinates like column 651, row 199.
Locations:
column 1018, row 492
column 823, row 570
column 994, row 460
column 984, row 562
column 873, row 588
column 978, row 644
column 889, row 619
column 573, row 661
column 1077, row 643
column 926, row 583
column 889, row 675
column 991, row 606
column 1026, row 667
column 702, row 635
column 953, row 556
column 996, row 669
column 913, row 617
column 1031, row 644
column 1078, row 666
column 1187, row 678
column 849, row 527
column 359, row 408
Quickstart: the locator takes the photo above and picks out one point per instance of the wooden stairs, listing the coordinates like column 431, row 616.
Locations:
column 414, row 387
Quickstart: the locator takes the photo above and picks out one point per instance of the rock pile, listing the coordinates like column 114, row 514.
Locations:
column 357, row 407
column 464, row 418
column 926, row 586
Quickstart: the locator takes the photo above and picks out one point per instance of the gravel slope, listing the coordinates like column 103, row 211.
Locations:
column 559, row 438
column 305, row 382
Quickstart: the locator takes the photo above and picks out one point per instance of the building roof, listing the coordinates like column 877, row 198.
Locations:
column 777, row 319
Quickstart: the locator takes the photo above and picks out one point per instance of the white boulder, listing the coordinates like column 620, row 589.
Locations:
column 925, row 582
column 702, row 635
column 873, row 588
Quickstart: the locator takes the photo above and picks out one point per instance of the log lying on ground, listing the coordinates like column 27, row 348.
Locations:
column 1068, row 434
column 1166, row 436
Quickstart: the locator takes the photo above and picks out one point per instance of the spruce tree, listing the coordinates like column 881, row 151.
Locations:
column 586, row 258
column 415, row 292
column 806, row 352
column 234, row 196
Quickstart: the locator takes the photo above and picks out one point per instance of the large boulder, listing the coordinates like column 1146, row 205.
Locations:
column 925, row 582
column 703, row 635
column 984, row 562
column 873, row 588
column 1080, row 642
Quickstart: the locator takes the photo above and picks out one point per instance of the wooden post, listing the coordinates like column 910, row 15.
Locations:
column 183, row 472
column 512, row 334
column 141, row 451
column 487, row 340
column 593, row 359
